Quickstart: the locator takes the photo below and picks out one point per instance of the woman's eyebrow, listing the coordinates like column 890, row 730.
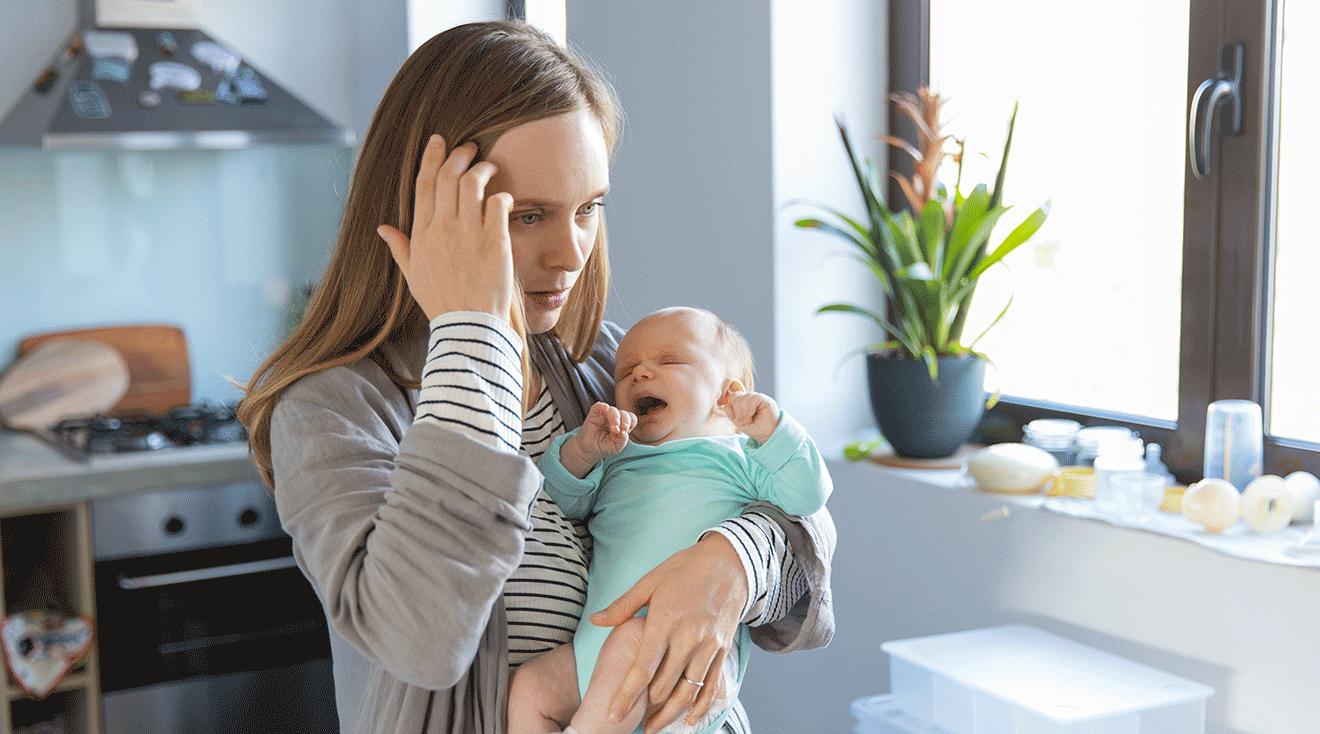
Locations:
column 541, row 204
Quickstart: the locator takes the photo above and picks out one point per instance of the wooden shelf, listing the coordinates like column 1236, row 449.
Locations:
column 57, row 538
column 73, row 681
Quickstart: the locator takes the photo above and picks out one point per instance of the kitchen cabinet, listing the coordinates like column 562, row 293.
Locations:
column 51, row 542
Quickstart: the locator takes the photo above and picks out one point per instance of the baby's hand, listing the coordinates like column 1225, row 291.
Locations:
column 755, row 414
column 604, row 433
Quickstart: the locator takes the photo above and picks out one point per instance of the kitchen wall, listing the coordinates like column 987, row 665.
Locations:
column 217, row 242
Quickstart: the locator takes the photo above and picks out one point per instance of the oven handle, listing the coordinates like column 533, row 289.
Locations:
column 205, row 574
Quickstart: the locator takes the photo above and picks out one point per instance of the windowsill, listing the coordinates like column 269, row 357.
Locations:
column 1238, row 541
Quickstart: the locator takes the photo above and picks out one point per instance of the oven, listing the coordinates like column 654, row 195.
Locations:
column 204, row 623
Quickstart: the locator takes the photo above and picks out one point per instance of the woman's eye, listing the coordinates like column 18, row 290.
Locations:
column 527, row 218
column 591, row 208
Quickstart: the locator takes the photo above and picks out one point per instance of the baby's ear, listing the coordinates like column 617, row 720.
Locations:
column 730, row 387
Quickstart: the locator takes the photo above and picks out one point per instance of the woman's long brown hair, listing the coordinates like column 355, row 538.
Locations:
column 472, row 82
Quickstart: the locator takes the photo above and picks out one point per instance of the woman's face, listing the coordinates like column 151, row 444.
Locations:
column 557, row 170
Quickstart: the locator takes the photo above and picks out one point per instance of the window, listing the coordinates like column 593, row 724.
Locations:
column 1150, row 292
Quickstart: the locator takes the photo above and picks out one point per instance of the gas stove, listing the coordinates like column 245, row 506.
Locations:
column 186, row 425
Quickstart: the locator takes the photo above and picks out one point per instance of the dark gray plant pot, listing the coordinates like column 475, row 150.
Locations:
column 921, row 419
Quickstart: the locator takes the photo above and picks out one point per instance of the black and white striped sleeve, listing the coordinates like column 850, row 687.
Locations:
column 774, row 579
column 473, row 380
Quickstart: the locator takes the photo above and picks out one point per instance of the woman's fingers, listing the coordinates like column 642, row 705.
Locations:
column 458, row 255
column 471, row 205
column 424, row 205
column 684, row 690
column 626, row 607
column 637, row 678
column 398, row 244
column 447, row 180
column 713, row 688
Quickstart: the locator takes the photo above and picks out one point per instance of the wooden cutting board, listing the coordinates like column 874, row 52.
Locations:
column 61, row 378
column 159, row 374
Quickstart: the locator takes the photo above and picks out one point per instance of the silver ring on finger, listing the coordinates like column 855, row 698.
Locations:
column 689, row 680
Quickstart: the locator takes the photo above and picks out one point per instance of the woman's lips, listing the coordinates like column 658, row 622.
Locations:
column 547, row 300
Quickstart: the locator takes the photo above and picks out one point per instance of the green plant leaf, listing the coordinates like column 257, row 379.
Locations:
column 1003, row 162
column 849, row 308
column 992, row 324
column 863, row 244
column 1018, row 236
column 967, row 218
column 874, row 204
column 932, row 363
column 973, row 250
column 931, row 233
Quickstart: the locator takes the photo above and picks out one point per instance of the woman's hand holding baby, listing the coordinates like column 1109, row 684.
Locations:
column 604, row 433
column 755, row 414
column 458, row 256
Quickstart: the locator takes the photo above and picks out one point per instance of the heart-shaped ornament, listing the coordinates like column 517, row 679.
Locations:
column 41, row 646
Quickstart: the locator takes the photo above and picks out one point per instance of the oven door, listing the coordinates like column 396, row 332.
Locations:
column 213, row 640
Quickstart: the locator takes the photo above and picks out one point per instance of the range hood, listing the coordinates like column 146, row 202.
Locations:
column 157, row 88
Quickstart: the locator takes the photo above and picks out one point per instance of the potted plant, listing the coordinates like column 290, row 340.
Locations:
column 926, row 384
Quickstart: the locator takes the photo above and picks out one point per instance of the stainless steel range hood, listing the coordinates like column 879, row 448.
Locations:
column 158, row 89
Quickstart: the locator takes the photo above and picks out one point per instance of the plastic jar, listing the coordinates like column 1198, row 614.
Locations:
column 1089, row 441
column 1057, row 436
column 1117, row 454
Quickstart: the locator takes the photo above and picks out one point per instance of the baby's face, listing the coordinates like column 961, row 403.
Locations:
column 671, row 374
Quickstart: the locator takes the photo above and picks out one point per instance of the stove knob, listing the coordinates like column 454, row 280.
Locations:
column 249, row 516
column 174, row 526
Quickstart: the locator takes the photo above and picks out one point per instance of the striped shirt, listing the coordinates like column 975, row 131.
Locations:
column 472, row 382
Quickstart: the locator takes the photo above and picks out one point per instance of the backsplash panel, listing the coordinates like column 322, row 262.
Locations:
column 220, row 243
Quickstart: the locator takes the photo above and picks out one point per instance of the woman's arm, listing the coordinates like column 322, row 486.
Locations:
column 408, row 530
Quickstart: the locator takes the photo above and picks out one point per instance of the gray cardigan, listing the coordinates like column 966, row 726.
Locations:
column 409, row 531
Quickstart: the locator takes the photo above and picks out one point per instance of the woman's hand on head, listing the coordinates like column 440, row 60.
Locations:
column 696, row 599
column 458, row 256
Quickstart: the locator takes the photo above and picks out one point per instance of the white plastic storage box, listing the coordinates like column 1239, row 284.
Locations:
column 1016, row 679
column 879, row 715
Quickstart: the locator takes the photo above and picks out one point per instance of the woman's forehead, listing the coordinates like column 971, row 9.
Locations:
column 559, row 160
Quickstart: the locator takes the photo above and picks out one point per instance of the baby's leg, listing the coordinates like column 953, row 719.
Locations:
column 543, row 692
column 616, row 657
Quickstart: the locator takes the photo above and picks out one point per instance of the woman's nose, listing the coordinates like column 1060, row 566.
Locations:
column 567, row 249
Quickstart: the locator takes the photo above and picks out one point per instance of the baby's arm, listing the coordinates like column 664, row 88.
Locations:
column 755, row 414
column 796, row 478
column 604, row 433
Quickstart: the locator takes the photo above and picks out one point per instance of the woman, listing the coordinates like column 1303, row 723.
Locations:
column 395, row 425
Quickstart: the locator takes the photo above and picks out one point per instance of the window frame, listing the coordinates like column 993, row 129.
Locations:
column 1228, row 239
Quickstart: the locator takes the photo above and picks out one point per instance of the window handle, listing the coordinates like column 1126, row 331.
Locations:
column 1224, row 88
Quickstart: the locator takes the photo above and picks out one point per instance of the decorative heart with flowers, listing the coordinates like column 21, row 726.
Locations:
column 41, row 647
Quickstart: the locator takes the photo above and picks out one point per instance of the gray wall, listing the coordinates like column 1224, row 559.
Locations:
column 691, row 213
column 730, row 111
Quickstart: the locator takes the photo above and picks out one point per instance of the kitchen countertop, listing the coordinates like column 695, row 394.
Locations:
column 33, row 473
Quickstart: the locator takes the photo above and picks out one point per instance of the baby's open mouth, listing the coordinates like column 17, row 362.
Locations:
column 648, row 404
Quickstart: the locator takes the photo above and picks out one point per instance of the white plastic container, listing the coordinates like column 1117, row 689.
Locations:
column 1016, row 679
column 1116, row 455
column 879, row 715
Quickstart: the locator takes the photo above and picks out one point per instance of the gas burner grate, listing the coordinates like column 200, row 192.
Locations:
column 186, row 425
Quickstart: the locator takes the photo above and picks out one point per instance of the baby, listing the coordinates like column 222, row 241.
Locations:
column 683, row 391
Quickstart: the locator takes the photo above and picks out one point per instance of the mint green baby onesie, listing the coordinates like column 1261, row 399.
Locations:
column 648, row 502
